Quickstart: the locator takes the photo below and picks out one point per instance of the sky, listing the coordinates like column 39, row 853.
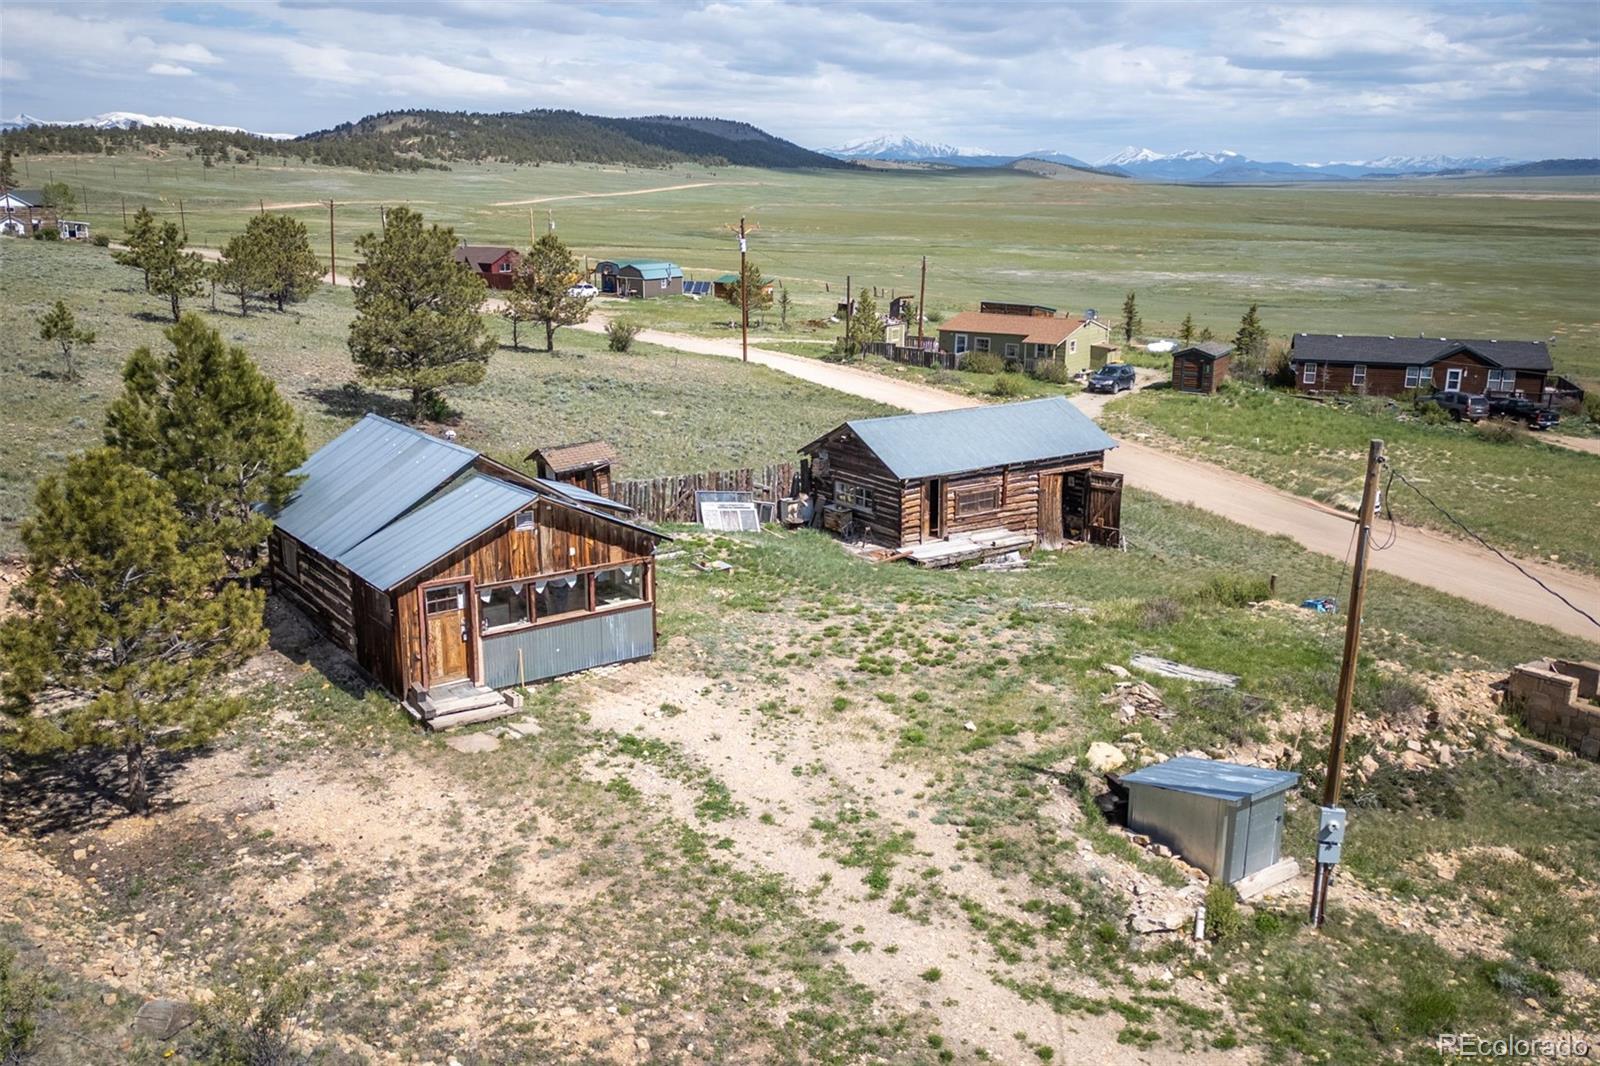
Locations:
column 1300, row 82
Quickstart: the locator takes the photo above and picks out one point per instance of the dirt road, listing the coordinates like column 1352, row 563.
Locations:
column 1431, row 559
column 626, row 192
column 1577, row 444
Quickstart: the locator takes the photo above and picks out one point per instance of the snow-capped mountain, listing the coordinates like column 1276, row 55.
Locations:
column 1187, row 165
column 1417, row 164
column 900, row 147
column 1231, row 167
column 128, row 120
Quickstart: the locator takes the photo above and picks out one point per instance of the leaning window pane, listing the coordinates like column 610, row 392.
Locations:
column 562, row 595
column 504, row 605
column 622, row 585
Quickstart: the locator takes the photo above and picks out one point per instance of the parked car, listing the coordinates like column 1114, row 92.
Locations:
column 1522, row 409
column 583, row 288
column 1113, row 377
column 1473, row 407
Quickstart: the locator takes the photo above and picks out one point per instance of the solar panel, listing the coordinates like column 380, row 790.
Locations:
column 730, row 517
column 697, row 288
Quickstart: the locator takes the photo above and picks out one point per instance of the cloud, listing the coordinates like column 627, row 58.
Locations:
column 169, row 70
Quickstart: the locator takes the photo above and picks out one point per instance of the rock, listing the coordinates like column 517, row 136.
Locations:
column 1103, row 758
column 1156, row 922
column 970, row 727
column 527, row 725
column 1413, row 761
column 1367, row 766
column 474, row 743
column 109, row 999
column 163, row 1018
column 79, row 854
column 642, row 1044
column 1413, row 745
column 1116, row 671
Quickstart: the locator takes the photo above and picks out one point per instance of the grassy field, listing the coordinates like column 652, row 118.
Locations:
column 1518, row 491
column 1458, row 257
column 667, row 412
column 842, row 817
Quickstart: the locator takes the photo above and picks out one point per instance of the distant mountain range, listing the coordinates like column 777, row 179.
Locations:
column 899, row 148
column 130, row 120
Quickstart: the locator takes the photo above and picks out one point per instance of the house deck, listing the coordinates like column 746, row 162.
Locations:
column 976, row 546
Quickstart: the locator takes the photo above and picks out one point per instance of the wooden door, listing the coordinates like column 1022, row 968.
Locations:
column 1052, row 528
column 446, row 611
column 1104, row 508
column 933, row 509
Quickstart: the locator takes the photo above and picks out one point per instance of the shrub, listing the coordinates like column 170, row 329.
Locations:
column 47, row 233
column 1591, row 406
column 1232, row 590
column 620, row 334
column 1224, row 922
column 934, row 316
column 22, row 997
column 982, row 363
column 101, row 240
column 1007, row 385
column 1434, row 415
column 259, row 1022
column 1159, row 612
column 1055, row 373
column 1499, row 431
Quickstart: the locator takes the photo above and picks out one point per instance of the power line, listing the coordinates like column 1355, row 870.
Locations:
column 1503, row 556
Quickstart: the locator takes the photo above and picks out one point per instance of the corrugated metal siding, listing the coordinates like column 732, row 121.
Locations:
column 550, row 651
column 1264, row 842
column 976, row 438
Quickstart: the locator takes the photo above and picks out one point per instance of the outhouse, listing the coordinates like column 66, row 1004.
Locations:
column 1225, row 818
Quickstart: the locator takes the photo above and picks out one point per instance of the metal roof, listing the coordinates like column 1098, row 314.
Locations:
column 1229, row 781
column 1416, row 351
column 435, row 529
column 580, row 495
column 1213, row 349
column 976, row 438
column 652, row 269
column 364, row 479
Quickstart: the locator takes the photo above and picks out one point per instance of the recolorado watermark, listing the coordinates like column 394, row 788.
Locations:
column 1478, row 1046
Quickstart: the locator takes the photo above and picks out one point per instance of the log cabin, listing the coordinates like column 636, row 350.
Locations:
column 1035, row 467
column 1201, row 367
column 1388, row 366
column 449, row 576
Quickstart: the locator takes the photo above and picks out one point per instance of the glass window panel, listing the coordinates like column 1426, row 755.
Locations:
column 561, row 595
column 622, row 585
column 503, row 605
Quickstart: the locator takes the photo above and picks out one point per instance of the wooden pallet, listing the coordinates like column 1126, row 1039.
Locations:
column 968, row 547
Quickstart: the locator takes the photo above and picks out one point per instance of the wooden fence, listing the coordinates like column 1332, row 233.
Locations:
column 900, row 353
column 671, row 499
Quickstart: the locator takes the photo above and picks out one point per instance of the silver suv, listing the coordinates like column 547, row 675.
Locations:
column 1473, row 407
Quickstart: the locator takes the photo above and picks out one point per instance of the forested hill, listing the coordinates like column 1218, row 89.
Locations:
column 414, row 140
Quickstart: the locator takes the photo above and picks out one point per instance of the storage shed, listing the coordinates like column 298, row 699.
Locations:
column 586, row 465
column 448, row 575
column 1225, row 818
column 1201, row 367
column 640, row 278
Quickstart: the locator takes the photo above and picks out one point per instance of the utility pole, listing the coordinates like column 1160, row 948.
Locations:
column 922, row 296
column 183, row 221
column 744, row 298
column 124, row 212
column 1330, row 833
column 847, row 309
column 333, row 265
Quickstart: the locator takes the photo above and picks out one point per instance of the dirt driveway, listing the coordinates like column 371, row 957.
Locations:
column 1427, row 558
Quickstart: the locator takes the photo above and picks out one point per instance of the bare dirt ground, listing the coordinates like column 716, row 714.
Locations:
column 628, row 192
column 1577, row 444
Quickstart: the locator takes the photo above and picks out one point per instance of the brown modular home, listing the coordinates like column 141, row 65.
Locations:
column 1386, row 366
column 1201, row 367
column 448, row 576
column 586, row 465
column 495, row 265
column 1028, row 340
column 1035, row 467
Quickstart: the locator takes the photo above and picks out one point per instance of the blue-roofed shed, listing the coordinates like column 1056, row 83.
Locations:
column 1035, row 467
column 443, row 571
column 640, row 277
column 1226, row 818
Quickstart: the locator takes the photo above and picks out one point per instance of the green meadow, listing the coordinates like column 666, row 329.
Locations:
column 1460, row 257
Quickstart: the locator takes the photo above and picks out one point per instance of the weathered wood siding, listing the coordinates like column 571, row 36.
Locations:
column 1192, row 373
column 841, row 456
column 322, row 589
column 1391, row 380
column 672, row 499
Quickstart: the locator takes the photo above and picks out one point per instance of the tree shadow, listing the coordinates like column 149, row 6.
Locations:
column 160, row 318
column 291, row 635
column 352, row 400
column 46, row 795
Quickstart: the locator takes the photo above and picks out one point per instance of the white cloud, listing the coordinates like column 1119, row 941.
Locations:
column 169, row 70
column 189, row 52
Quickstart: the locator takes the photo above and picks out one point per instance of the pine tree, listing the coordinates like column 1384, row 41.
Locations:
column 289, row 271
column 1250, row 343
column 174, row 273
column 121, row 621
column 141, row 237
column 8, row 170
column 1186, row 332
column 207, row 422
column 417, row 325
column 548, row 272
column 60, row 326
column 520, row 304
column 1130, row 319
column 238, row 272
column 865, row 325
column 760, row 294
column 783, row 307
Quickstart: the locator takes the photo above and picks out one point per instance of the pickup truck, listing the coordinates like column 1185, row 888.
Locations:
column 1522, row 409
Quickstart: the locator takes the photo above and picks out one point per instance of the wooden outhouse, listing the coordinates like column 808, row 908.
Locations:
column 1201, row 367
column 1035, row 467
column 586, row 465
column 449, row 576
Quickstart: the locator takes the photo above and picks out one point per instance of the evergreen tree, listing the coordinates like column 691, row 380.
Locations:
column 520, row 304
column 60, row 326
column 289, row 271
column 207, row 422
column 783, row 306
column 238, row 272
column 121, row 620
column 141, row 238
column 174, row 273
column 547, row 274
column 1130, row 319
column 760, row 296
column 1186, row 332
column 1207, row 335
column 417, row 325
column 1250, row 343
column 865, row 325
column 8, row 170
column 58, row 197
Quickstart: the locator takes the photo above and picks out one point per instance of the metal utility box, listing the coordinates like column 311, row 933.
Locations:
column 1223, row 817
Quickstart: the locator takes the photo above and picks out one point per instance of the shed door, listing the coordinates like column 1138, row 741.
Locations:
column 446, row 619
column 1051, row 526
column 1104, row 510
column 1265, row 835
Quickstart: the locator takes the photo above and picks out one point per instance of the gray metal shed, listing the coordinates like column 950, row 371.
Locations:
column 1223, row 817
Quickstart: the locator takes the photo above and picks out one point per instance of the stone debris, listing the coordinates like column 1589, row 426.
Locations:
column 163, row 1018
column 1136, row 699
column 1103, row 758
column 474, row 743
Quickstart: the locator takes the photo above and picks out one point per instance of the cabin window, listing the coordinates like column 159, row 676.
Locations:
column 960, row 343
column 445, row 598
column 977, row 501
column 1417, row 376
column 1011, row 351
column 1072, row 346
column 505, row 266
column 561, row 595
column 503, row 605
column 849, row 494
column 1500, row 380
column 1310, row 377
column 1358, row 374
column 525, row 519
column 980, row 344
column 289, row 552
column 625, row 584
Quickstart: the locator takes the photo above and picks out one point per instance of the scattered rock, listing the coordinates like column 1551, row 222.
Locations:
column 109, row 999
column 1116, row 671
column 163, row 1018
column 1103, row 758
column 1156, row 921
column 474, row 743
column 970, row 727
column 527, row 725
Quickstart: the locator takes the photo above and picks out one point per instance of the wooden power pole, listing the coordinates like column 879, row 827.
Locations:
column 847, row 309
column 744, row 298
column 183, row 221
column 1331, row 832
column 922, row 295
column 333, row 269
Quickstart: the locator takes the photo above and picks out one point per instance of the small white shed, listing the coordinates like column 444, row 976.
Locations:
column 1225, row 818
